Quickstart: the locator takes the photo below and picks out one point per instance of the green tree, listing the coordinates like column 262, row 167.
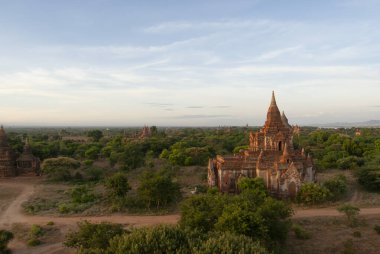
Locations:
column 201, row 212
column 351, row 213
column 96, row 135
column 60, row 169
column 158, row 240
column 93, row 237
column 337, row 186
column 227, row 243
column 158, row 188
column 312, row 193
column 369, row 178
column 117, row 185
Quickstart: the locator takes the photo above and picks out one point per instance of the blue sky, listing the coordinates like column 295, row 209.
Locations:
column 199, row 62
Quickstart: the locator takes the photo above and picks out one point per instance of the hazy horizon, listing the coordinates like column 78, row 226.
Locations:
column 196, row 63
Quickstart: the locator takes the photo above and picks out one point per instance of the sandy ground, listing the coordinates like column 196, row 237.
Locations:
column 12, row 213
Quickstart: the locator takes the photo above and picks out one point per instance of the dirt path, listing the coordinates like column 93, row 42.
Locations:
column 328, row 212
column 13, row 214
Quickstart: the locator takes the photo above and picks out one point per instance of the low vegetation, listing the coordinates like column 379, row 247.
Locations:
column 5, row 238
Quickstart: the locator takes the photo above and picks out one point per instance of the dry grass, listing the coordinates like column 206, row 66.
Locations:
column 7, row 195
column 333, row 235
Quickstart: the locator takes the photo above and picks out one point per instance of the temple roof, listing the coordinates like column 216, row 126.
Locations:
column 285, row 120
column 274, row 120
column 3, row 137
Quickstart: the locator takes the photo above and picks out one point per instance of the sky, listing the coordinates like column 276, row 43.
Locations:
column 188, row 63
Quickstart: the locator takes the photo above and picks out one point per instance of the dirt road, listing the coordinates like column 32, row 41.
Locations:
column 13, row 214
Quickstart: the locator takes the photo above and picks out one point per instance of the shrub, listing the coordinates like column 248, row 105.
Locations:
column 377, row 229
column 60, row 169
column 36, row 231
column 300, row 232
column 33, row 242
column 369, row 178
column 92, row 236
column 158, row 189
column 337, row 186
column 351, row 213
column 158, row 239
column 5, row 238
column 50, row 223
column 312, row 193
column 117, row 185
column 227, row 243
column 81, row 194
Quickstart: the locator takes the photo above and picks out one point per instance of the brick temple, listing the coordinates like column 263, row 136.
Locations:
column 12, row 165
column 270, row 155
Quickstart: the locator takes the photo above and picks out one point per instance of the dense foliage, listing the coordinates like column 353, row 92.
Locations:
column 5, row 238
column 252, row 213
column 92, row 236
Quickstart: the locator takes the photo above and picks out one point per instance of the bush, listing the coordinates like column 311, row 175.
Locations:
column 300, row 232
column 33, row 242
column 158, row 189
column 5, row 238
column 50, row 223
column 227, row 243
column 312, row 193
column 158, row 239
column 369, row 178
column 337, row 186
column 377, row 229
column 92, row 236
column 117, row 185
column 60, row 169
column 357, row 234
column 351, row 213
column 36, row 231
column 81, row 194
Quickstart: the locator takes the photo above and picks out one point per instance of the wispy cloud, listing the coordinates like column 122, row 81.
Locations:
column 201, row 116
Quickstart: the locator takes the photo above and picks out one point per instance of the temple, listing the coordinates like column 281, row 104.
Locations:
column 270, row 155
column 10, row 165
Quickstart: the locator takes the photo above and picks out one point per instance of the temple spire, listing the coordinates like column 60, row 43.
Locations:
column 273, row 101
column 274, row 120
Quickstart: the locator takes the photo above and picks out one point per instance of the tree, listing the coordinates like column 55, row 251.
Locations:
column 117, row 185
column 227, row 243
column 351, row 213
column 92, row 236
column 262, row 218
column 337, row 186
column 369, row 178
column 60, row 169
column 96, row 135
column 312, row 193
column 201, row 212
column 5, row 238
column 157, row 239
column 158, row 188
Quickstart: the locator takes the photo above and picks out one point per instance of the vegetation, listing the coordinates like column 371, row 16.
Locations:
column 300, row 232
column 158, row 189
column 260, row 217
column 351, row 213
column 35, row 233
column 337, row 186
column 92, row 236
column 5, row 238
column 312, row 193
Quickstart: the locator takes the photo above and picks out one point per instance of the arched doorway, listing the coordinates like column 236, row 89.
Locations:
column 292, row 190
column 280, row 146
